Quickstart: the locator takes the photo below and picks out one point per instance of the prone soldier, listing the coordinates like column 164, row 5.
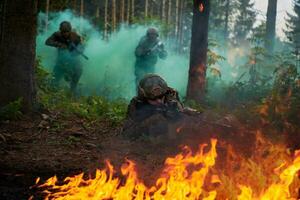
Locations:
column 155, row 107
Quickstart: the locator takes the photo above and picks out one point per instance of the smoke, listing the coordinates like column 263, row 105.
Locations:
column 110, row 68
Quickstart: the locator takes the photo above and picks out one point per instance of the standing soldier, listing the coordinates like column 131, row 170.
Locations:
column 68, row 64
column 147, row 53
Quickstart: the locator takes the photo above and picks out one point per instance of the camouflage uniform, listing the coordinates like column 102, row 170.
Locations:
column 68, row 65
column 147, row 53
column 144, row 117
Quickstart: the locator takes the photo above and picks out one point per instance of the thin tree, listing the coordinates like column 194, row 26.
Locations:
column 176, row 17
column 128, row 11
column 271, row 25
column 169, row 11
column 122, row 11
column 198, row 53
column 81, row 14
column 105, row 20
column 74, row 5
column 113, row 15
column 47, row 15
column 163, row 10
column 17, row 50
column 146, row 9
column 97, row 11
column 180, row 29
column 226, row 26
column 132, row 10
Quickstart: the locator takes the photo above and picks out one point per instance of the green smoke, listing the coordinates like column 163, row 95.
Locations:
column 110, row 68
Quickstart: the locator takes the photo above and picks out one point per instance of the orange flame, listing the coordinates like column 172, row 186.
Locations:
column 201, row 7
column 176, row 182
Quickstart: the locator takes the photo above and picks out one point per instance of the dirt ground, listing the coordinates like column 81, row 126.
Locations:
column 42, row 145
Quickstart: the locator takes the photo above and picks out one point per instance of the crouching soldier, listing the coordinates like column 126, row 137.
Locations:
column 68, row 64
column 149, row 49
column 154, row 108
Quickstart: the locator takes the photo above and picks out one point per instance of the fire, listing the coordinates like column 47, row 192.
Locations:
column 201, row 7
column 185, row 176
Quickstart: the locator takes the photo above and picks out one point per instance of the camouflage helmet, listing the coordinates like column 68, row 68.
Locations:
column 65, row 26
column 152, row 86
column 153, row 31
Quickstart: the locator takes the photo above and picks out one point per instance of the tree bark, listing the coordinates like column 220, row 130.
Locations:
column 113, row 15
column 17, row 49
column 81, row 14
column 176, row 17
column 163, row 10
column 128, row 11
column 122, row 11
column 132, row 10
column 198, row 53
column 226, row 31
column 180, row 26
column 271, row 25
column 169, row 11
column 146, row 9
column 74, row 5
column 105, row 20
column 97, row 13
column 47, row 15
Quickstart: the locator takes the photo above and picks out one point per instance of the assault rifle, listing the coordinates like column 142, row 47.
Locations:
column 72, row 46
column 155, row 47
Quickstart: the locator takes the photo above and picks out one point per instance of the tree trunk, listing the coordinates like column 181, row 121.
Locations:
column 128, row 11
column 122, row 11
column 226, row 31
column 113, row 15
column 81, row 14
column 198, row 54
column 180, row 27
column 169, row 11
column 47, row 15
column 81, row 8
column 271, row 25
column 97, row 13
column 132, row 10
column 17, row 49
column 176, row 17
column 163, row 10
column 74, row 5
column 146, row 9
column 105, row 20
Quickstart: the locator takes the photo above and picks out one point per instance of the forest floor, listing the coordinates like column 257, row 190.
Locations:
column 48, row 144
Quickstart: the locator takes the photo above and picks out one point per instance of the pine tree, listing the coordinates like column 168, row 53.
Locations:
column 217, row 16
column 244, row 20
column 293, row 28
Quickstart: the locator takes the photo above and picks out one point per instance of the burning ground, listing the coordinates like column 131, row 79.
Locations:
column 242, row 163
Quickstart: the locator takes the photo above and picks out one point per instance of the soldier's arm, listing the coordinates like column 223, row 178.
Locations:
column 140, row 50
column 163, row 54
column 53, row 42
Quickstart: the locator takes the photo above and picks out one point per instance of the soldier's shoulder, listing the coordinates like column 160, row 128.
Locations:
column 135, row 100
column 172, row 92
column 57, row 34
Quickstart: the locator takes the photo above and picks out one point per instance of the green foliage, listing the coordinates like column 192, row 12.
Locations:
column 293, row 28
column 88, row 107
column 244, row 21
column 193, row 104
column 283, row 105
column 11, row 111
